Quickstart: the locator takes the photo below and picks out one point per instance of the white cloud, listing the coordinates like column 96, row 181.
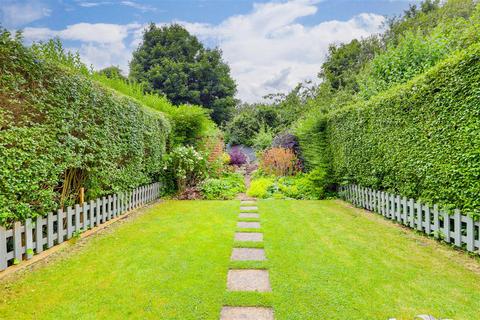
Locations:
column 100, row 44
column 139, row 6
column 17, row 14
column 132, row 4
column 87, row 4
column 268, row 49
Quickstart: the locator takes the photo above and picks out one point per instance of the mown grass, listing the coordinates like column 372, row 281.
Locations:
column 326, row 261
column 169, row 263
column 329, row 261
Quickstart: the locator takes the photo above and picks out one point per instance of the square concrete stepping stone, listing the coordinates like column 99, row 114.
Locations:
column 248, row 215
column 248, row 202
column 247, row 208
column 248, row 280
column 249, row 236
column 254, row 225
column 246, row 313
column 248, row 254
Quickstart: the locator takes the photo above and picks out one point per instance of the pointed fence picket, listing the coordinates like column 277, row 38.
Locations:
column 31, row 237
column 456, row 228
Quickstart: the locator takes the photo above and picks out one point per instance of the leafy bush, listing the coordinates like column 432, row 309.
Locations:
column 413, row 55
column 307, row 186
column 213, row 146
column 189, row 123
column 420, row 139
column 263, row 139
column 261, row 187
column 224, row 188
column 60, row 131
column 249, row 120
column 225, row 158
column 279, row 162
column 186, row 166
column 237, row 156
column 242, row 127
column 287, row 141
column 53, row 52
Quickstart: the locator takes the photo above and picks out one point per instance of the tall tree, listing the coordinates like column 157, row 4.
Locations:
column 173, row 62
column 345, row 60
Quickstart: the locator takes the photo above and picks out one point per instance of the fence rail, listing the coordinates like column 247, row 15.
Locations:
column 33, row 236
column 456, row 228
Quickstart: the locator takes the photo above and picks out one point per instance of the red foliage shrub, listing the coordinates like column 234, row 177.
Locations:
column 280, row 162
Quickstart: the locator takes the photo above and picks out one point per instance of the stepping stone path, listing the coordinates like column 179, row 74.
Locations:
column 248, row 280
column 248, row 208
column 249, row 236
column 249, row 215
column 253, row 225
column 246, row 313
column 247, row 254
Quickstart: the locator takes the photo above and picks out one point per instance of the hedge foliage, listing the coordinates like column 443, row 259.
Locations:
column 190, row 123
column 59, row 130
column 420, row 139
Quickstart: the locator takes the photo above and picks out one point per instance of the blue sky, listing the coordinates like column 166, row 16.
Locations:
column 270, row 45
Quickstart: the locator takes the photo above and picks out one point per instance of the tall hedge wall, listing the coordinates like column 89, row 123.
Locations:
column 60, row 130
column 420, row 140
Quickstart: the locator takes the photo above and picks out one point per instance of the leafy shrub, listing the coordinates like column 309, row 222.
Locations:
column 242, row 127
column 60, row 131
column 307, row 186
column 237, row 156
column 225, row 158
column 263, row 139
column 287, row 141
column 189, row 123
column 212, row 146
column 420, row 139
column 261, row 188
column 249, row 121
column 413, row 55
column 279, row 162
column 224, row 188
column 53, row 52
column 186, row 166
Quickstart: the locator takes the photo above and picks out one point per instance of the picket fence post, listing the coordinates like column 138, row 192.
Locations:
column 3, row 248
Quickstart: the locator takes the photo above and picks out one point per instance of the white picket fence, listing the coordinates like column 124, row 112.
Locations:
column 455, row 228
column 36, row 235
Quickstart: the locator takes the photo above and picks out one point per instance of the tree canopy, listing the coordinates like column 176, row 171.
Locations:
column 112, row 72
column 173, row 62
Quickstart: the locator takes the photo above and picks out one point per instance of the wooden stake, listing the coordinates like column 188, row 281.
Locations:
column 82, row 195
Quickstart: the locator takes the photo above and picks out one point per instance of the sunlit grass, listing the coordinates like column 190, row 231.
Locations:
column 169, row 263
column 328, row 261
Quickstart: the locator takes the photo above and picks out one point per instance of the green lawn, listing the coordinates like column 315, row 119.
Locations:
column 169, row 263
column 328, row 261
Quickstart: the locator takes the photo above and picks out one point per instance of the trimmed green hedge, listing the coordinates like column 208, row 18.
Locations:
column 420, row 139
column 60, row 130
